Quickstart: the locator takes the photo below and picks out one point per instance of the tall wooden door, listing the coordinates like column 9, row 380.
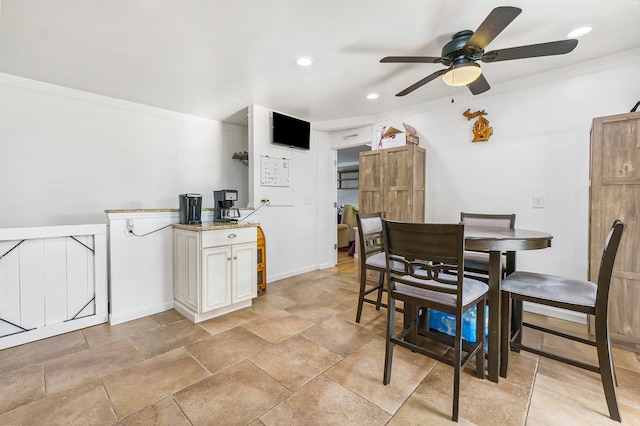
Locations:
column 615, row 194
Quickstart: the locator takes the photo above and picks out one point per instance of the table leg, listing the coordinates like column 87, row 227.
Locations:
column 495, row 276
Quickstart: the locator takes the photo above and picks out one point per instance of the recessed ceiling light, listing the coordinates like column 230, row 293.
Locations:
column 580, row 31
column 372, row 96
column 304, row 61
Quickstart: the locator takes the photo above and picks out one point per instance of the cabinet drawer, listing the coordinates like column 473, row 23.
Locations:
column 225, row 237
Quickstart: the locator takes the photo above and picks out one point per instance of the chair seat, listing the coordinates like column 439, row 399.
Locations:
column 478, row 261
column 471, row 290
column 551, row 287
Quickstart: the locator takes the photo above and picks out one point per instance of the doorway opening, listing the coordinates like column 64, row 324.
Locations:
column 347, row 167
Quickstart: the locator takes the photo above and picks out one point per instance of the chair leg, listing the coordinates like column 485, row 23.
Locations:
column 505, row 333
column 457, row 371
column 363, row 286
column 388, row 353
column 516, row 321
column 480, row 338
column 605, row 362
column 380, row 288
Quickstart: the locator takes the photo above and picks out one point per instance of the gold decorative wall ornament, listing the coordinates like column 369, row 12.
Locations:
column 481, row 130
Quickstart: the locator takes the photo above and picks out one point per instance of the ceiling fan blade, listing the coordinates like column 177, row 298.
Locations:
column 493, row 25
column 531, row 51
column 479, row 85
column 422, row 82
column 412, row 59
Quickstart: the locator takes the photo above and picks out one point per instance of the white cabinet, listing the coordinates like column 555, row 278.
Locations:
column 215, row 270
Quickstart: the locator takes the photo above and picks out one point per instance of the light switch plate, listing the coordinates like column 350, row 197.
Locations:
column 538, row 201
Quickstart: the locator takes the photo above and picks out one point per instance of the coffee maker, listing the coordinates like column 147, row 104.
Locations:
column 190, row 209
column 223, row 202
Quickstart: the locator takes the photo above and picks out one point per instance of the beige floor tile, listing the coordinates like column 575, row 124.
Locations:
column 339, row 298
column 295, row 361
column 302, row 293
column 481, row 401
column 419, row 411
column 229, row 321
column 73, row 369
column 223, row 349
column 363, row 371
column 521, row 370
column 278, row 327
column 163, row 413
column 325, row 402
column 169, row 337
column 555, row 402
column 234, row 396
column 104, row 333
column 626, row 359
column 87, row 404
column 41, row 350
column 167, row 317
column 338, row 335
column 21, row 387
column 417, row 359
column 271, row 302
column 151, row 380
column 315, row 310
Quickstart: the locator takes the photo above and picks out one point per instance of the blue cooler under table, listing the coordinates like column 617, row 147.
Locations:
column 446, row 323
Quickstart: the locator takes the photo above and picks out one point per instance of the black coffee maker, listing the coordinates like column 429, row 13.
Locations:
column 190, row 209
column 223, row 202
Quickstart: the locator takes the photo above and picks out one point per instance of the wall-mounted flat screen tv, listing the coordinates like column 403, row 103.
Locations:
column 291, row 131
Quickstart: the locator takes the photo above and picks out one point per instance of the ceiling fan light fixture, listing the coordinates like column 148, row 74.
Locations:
column 580, row 31
column 304, row 61
column 463, row 74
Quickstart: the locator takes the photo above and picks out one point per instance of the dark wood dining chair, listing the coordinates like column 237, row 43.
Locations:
column 371, row 258
column 574, row 295
column 423, row 271
column 477, row 263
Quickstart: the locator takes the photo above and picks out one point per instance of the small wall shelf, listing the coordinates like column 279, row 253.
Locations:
column 348, row 175
column 242, row 156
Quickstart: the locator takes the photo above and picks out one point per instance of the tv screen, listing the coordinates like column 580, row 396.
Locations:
column 291, row 131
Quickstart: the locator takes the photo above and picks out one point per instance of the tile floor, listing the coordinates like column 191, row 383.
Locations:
column 295, row 358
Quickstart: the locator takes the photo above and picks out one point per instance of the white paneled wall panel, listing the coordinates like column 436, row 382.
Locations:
column 31, row 284
column 52, row 280
column 55, row 279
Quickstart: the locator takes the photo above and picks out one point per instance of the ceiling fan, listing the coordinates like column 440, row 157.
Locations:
column 467, row 47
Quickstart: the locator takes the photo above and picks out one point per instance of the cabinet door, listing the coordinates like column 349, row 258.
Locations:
column 244, row 284
column 216, row 278
column 615, row 191
column 371, row 175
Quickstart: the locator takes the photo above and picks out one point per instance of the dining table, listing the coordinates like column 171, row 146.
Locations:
column 497, row 241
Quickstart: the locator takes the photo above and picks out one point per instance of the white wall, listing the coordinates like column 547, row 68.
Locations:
column 297, row 222
column 67, row 155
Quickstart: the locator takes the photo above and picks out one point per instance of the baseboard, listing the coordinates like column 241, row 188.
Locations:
column 550, row 311
column 130, row 316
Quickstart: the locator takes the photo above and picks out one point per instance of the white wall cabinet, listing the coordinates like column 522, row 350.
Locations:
column 215, row 270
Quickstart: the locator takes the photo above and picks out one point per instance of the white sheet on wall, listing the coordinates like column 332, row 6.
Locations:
column 274, row 171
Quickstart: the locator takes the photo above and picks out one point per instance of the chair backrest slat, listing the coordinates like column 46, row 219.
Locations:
column 611, row 244
column 492, row 220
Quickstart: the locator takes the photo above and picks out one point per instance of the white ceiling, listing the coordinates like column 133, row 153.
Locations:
column 212, row 58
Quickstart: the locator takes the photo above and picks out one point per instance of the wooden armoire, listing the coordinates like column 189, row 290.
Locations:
column 615, row 194
column 392, row 181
